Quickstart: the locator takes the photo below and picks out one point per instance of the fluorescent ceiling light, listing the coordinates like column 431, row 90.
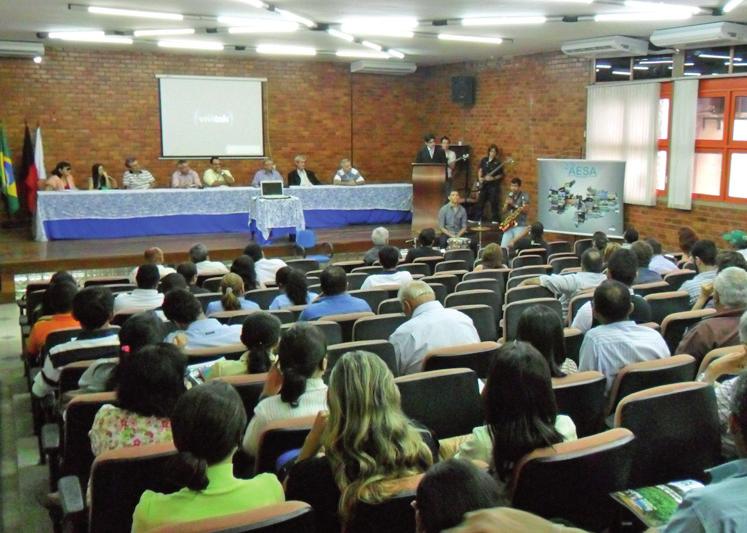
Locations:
column 692, row 73
column 296, row 18
column 690, row 64
column 656, row 61
column 364, row 54
column 639, row 67
column 503, row 21
column 603, row 66
column 381, row 26
column 717, row 56
column 395, row 54
column 255, row 3
column 621, row 73
column 341, row 35
column 740, row 64
column 90, row 37
column 173, row 31
column 731, row 5
column 279, row 26
column 643, row 16
column 134, row 13
column 287, row 50
column 191, row 45
column 661, row 6
column 372, row 46
column 469, row 38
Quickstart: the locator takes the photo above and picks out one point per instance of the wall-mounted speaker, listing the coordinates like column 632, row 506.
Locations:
column 463, row 90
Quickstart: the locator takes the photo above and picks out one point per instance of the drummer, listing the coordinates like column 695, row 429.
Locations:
column 452, row 220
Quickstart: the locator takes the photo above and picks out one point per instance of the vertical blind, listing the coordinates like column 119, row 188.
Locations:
column 682, row 144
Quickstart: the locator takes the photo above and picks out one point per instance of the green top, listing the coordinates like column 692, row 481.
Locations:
column 224, row 495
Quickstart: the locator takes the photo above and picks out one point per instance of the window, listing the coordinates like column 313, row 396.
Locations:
column 615, row 69
column 738, row 175
column 739, row 130
column 652, row 67
column 710, row 118
column 707, row 173
column 707, row 61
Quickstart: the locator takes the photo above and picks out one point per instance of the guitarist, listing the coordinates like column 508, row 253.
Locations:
column 489, row 175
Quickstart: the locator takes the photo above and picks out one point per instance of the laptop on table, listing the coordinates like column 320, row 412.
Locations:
column 272, row 190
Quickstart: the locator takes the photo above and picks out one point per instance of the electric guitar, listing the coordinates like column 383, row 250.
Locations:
column 490, row 176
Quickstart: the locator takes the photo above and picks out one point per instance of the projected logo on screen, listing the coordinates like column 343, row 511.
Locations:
column 593, row 203
column 201, row 118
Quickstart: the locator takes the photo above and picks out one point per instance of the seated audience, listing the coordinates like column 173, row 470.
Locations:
column 149, row 382
column 629, row 237
column 174, row 281
column 379, row 238
column 347, row 175
column 721, row 505
column 135, row 177
column 188, row 271
column 100, row 180
column 184, row 177
column 153, row 256
column 59, row 298
column 424, row 246
column 704, row 256
column 244, row 266
column 206, row 424
column 520, row 412
column 621, row 266
column 508, row 520
column 541, row 327
column 195, row 331
column 260, row 334
column 389, row 259
column 93, row 308
column 610, row 249
column 566, row 286
column 686, row 238
column 232, row 299
column 266, row 173
column 430, row 326
column 334, row 299
column 61, row 178
column 599, row 240
column 265, row 268
column 294, row 387
column 215, row 175
column 659, row 262
column 44, row 308
column 715, row 331
column 492, row 257
column 368, row 444
column 535, row 239
column 644, row 253
column 198, row 254
column 730, row 258
column 618, row 341
column 293, row 289
column 448, row 491
column 300, row 175
column 146, row 296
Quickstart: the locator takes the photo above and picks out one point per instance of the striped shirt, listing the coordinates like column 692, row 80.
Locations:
column 692, row 286
column 138, row 180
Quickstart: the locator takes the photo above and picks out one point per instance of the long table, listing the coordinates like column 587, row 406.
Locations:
column 125, row 213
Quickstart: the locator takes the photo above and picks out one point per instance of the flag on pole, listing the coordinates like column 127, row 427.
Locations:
column 28, row 177
column 41, row 171
column 7, row 179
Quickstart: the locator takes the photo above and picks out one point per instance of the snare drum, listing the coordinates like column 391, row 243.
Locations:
column 458, row 243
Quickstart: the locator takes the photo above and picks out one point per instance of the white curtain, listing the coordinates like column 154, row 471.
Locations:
column 682, row 144
column 621, row 124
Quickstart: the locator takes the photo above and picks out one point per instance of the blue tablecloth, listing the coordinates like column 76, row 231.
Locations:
column 124, row 213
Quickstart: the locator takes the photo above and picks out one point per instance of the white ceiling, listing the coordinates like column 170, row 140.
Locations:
column 22, row 19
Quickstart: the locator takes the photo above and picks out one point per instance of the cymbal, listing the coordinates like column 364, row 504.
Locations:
column 480, row 228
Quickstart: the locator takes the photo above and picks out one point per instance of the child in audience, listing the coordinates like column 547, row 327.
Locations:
column 232, row 288
column 368, row 443
column 293, row 289
column 260, row 334
column 59, row 298
column 206, row 423
column 541, row 327
column 294, row 386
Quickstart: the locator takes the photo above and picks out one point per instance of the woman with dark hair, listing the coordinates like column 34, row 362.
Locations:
column 520, row 412
column 207, row 423
column 448, row 491
column 686, row 238
column 99, row 179
column 243, row 265
column 294, row 386
column 232, row 296
column 61, row 178
column 260, row 334
column 541, row 327
column 293, row 289
column 149, row 382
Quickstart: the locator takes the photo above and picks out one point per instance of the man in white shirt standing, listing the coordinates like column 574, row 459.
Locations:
column 617, row 342
column 265, row 268
column 388, row 257
column 146, row 296
column 704, row 254
column 430, row 326
column 198, row 254
column 300, row 176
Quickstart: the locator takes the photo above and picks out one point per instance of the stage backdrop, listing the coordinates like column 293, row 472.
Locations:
column 580, row 197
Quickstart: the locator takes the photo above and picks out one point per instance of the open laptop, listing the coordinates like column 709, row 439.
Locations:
column 272, row 190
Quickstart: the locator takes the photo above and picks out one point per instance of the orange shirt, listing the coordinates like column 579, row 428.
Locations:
column 46, row 325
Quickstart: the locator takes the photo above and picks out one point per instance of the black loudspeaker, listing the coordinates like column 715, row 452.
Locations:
column 463, row 90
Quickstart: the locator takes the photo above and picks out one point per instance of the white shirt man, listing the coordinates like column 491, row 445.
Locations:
column 267, row 268
column 396, row 277
column 137, row 300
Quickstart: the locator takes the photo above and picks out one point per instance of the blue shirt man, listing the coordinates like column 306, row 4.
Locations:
column 334, row 299
column 268, row 173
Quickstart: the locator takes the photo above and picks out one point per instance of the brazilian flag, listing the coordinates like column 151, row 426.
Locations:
column 7, row 180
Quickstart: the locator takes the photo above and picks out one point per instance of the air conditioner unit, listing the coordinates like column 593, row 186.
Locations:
column 613, row 46
column 392, row 68
column 711, row 34
column 20, row 49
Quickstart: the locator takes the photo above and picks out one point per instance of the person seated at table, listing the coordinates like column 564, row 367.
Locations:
column 232, row 299
column 216, row 175
column 100, row 180
column 188, row 271
column 334, row 299
column 379, row 238
column 389, row 258
column 492, row 257
column 135, row 177
column 184, row 177
column 246, row 268
column 267, row 173
column 266, row 268
column 293, row 289
column 198, row 254
column 153, row 256
column 347, row 175
column 195, row 330
column 61, row 178
column 145, row 297
column 59, row 298
column 425, row 241
column 452, row 220
column 260, row 334
column 301, row 176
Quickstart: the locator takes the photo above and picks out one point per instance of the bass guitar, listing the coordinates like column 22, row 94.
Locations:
column 490, row 175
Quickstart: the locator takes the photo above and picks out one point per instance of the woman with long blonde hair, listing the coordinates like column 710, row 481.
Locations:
column 368, row 443
column 232, row 296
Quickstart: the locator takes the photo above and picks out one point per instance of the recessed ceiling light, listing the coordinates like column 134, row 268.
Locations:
column 191, row 45
column 469, row 38
column 503, row 21
column 155, row 33
column 286, row 49
column 134, row 13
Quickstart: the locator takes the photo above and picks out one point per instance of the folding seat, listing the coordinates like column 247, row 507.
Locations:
column 212, row 284
column 581, row 245
column 644, row 289
column 465, row 254
column 678, row 277
column 572, row 340
column 378, row 327
column 556, row 247
column 500, row 274
column 106, row 280
column 439, row 289
column 249, row 387
column 208, row 297
column 262, row 297
column 666, row 303
column 535, row 270
column 449, row 281
column 382, row 348
column 355, row 280
column 368, row 270
column 527, row 260
column 715, row 354
column 232, row 317
column 415, row 268
column 207, row 275
column 515, row 281
column 431, row 261
column 475, row 356
column 333, row 331
column 375, row 296
column 203, row 355
column 490, row 284
column 454, row 264
column 561, row 263
column 390, row 305
column 483, row 317
column 348, row 266
column 518, row 294
column 346, row 322
column 576, row 303
column 675, row 325
column 473, row 297
column 581, row 396
column 512, row 312
column 394, row 515
column 278, row 437
column 304, row 265
column 285, row 316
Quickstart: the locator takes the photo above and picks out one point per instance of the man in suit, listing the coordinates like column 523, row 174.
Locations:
column 430, row 153
column 301, row 176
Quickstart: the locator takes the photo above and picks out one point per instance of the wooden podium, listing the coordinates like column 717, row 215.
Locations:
column 427, row 195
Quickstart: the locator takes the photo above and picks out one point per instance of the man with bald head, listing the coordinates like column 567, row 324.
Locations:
column 430, row 326
column 153, row 256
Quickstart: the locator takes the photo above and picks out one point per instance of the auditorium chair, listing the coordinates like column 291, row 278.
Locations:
column 390, row 305
column 206, row 298
column 106, row 280
column 535, row 270
column 249, row 387
column 355, row 280
column 475, row 356
column 394, row 515
column 314, row 274
column 644, row 289
column 478, row 296
column 304, row 265
column 346, row 322
column 678, row 277
column 381, row 348
column 121, row 316
column 500, row 274
column 333, row 330
column 717, row 353
column 576, row 303
column 666, row 303
column 646, row 374
column 207, row 275
column 374, row 297
column 446, row 401
column 296, row 310
column 306, row 243
column 572, row 480
column 581, row 397
column 560, row 263
column 572, row 339
column 232, row 317
column 485, row 283
column 121, row 287
column 378, row 327
column 415, row 268
column 278, row 437
column 440, row 290
column 517, row 280
column 570, row 270
column 33, row 304
column 483, row 318
column 675, row 325
column 212, row 284
column 513, row 311
column 348, row 266
column 262, row 297
column 453, row 264
column 557, row 255
column 431, row 261
column 677, row 432
column 464, row 254
column 556, row 247
column 285, row 316
column 313, row 285
column 287, row 517
column 581, row 245
column 518, row 294
column 71, row 373
column 533, row 251
column 447, row 280
column 368, row 270
column 527, row 260
column 203, row 355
